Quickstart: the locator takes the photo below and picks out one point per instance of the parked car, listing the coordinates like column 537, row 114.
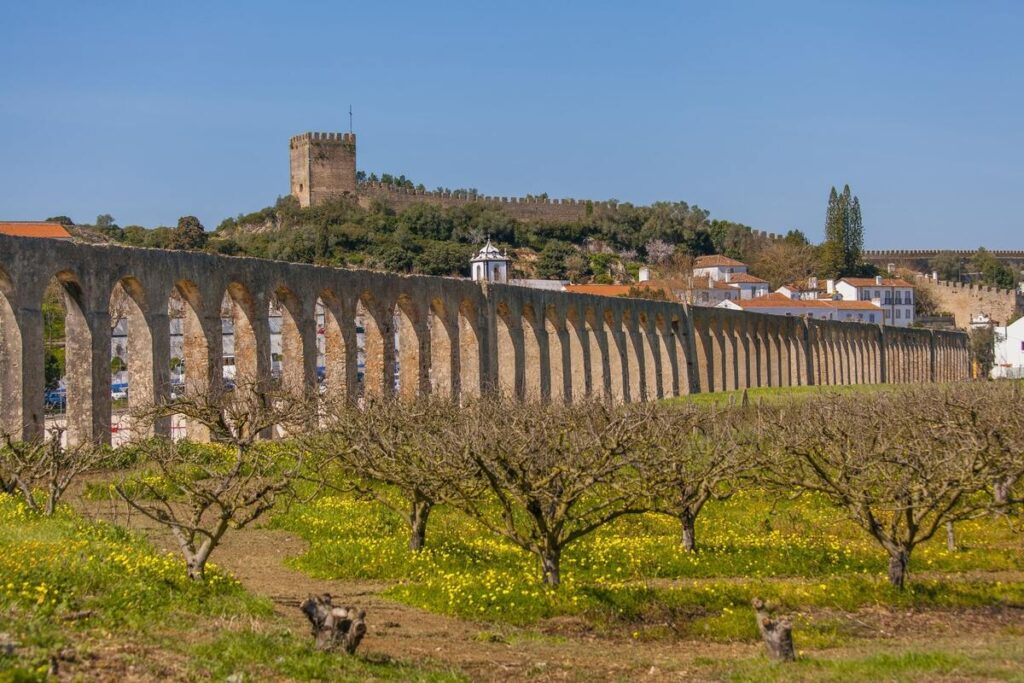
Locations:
column 119, row 392
column 56, row 399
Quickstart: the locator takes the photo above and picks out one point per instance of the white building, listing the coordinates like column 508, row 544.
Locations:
column 718, row 278
column 1009, row 356
column 822, row 309
column 894, row 296
column 812, row 289
column 490, row 265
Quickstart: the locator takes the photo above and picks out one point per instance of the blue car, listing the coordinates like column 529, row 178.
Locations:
column 56, row 399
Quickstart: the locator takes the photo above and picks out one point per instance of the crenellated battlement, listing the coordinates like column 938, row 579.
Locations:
column 323, row 137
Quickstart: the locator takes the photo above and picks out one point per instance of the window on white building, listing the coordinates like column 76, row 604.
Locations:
column 899, row 313
column 871, row 317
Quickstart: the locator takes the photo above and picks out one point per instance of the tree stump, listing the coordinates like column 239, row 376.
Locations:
column 777, row 634
column 334, row 627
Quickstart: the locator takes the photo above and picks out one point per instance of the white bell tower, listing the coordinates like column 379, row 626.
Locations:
column 490, row 265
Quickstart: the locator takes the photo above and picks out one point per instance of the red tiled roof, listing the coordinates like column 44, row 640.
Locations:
column 716, row 260
column 776, row 300
column 871, row 282
column 33, row 229
column 745, row 278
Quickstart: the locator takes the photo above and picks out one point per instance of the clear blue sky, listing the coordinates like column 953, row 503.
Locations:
column 149, row 111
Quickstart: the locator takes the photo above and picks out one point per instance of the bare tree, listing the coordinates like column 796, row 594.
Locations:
column 897, row 463
column 554, row 473
column 690, row 456
column 200, row 493
column 386, row 442
column 44, row 463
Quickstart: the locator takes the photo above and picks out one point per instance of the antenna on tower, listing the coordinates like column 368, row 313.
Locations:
column 350, row 118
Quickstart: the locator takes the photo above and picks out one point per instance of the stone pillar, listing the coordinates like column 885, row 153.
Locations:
column 580, row 362
column 21, row 364
column 412, row 352
column 87, row 353
column 704, row 343
column 379, row 354
column 471, row 363
column 444, row 362
column 298, row 350
column 153, row 349
column 558, row 361
column 616, row 363
column 535, row 365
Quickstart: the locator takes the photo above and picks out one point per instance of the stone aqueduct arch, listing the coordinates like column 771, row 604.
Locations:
column 422, row 335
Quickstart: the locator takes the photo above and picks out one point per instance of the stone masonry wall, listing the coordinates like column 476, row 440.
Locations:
column 420, row 335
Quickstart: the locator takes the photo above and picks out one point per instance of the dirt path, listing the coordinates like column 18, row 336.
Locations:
column 555, row 650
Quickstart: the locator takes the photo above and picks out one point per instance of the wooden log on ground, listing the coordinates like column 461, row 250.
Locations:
column 334, row 627
column 777, row 634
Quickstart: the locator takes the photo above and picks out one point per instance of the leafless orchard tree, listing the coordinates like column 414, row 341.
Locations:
column 44, row 464
column 391, row 443
column 992, row 413
column 898, row 463
column 690, row 456
column 542, row 476
column 199, row 493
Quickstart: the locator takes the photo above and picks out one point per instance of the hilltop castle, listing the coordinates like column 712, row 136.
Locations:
column 323, row 169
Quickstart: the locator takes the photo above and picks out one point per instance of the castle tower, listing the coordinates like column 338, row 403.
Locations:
column 323, row 167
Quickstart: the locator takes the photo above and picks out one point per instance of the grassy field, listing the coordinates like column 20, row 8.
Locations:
column 634, row 575
column 101, row 600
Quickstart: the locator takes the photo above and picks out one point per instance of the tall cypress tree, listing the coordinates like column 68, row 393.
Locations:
column 832, row 261
column 854, row 238
column 844, row 235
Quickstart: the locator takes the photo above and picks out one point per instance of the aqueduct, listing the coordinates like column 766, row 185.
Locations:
column 420, row 335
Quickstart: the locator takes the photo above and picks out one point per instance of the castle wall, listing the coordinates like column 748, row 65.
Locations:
column 967, row 300
column 421, row 335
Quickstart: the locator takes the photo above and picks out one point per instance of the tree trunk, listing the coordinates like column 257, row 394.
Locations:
column 689, row 539
column 334, row 627
column 418, row 523
column 551, row 560
column 1001, row 493
column 196, row 567
column 950, row 537
column 777, row 634
column 898, row 561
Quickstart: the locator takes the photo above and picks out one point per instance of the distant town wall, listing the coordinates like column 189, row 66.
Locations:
column 967, row 300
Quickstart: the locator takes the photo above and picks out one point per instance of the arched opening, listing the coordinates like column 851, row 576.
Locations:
column 506, row 352
column 293, row 342
column 579, row 377
column 336, row 334
column 376, row 344
column 247, row 355
column 137, row 380
column 411, row 375
column 77, row 380
column 535, row 365
column 558, row 347
column 469, row 377
column 632, row 367
column 443, row 365
column 196, row 348
column 616, row 343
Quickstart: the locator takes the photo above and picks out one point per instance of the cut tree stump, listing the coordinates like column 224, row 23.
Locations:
column 777, row 634
column 334, row 627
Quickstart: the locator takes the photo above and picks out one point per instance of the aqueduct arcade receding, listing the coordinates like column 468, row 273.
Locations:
column 420, row 335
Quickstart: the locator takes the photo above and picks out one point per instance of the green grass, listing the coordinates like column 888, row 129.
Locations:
column 800, row 554
column 70, row 583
